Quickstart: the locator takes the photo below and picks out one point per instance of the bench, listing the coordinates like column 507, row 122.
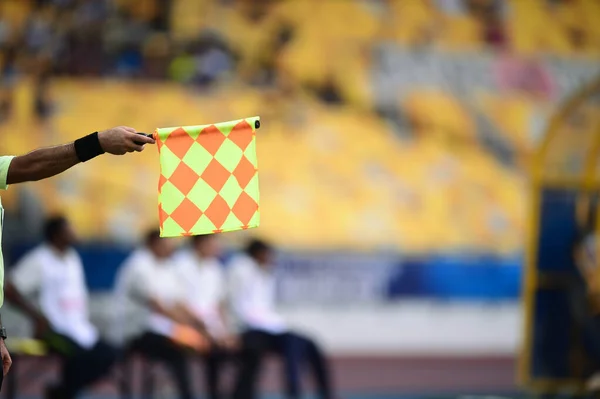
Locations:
column 28, row 347
column 150, row 374
column 19, row 347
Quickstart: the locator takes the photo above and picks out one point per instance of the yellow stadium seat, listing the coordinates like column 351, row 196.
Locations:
column 346, row 20
column 591, row 18
column 294, row 12
column 16, row 12
column 528, row 27
column 514, row 115
column 351, row 71
column 460, row 33
column 433, row 109
column 334, row 177
column 188, row 17
column 412, row 20
column 252, row 40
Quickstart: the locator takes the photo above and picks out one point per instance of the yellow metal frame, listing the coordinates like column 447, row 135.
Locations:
column 539, row 181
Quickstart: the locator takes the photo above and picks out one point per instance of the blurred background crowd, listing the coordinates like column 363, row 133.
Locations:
column 396, row 142
column 381, row 116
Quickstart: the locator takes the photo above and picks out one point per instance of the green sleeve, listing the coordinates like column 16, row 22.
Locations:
column 4, row 164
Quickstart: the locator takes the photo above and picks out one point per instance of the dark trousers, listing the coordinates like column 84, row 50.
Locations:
column 295, row 351
column 213, row 364
column 163, row 349
column 81, row 367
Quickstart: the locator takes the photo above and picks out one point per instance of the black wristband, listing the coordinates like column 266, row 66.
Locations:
column 88, row 147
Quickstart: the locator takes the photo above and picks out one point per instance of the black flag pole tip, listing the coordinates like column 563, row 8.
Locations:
column 143, row 134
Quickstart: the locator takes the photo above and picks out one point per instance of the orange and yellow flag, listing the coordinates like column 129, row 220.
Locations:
column 208, row 178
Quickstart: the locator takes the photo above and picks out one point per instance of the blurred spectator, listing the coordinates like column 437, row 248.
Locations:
column 39, row 32
column 494, row 33
column 182, row 68
column 156, row 51
column 204, row 285
column 523, row 75
column 252, row 291
column 148, row 284
column 329, row 92
column 54, row 273
column 213, row 59
column 135, row 39
column 8, row 77
column 42, row 102
column 5, row 31
column 162, row 15
column 489, row 14
column 128, row 62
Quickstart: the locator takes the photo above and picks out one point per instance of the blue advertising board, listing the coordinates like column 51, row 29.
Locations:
column 354, row 278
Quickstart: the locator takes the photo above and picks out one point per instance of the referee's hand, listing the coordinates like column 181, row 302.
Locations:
column 6, row 360
column 122, row 139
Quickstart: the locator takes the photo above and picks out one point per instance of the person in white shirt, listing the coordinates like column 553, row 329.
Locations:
column 252, row 296
column 150, row 285
column 204, row 284
column 53, row 272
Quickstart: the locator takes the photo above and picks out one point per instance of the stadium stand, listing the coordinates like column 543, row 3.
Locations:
column 323, row 169
column 307, row 68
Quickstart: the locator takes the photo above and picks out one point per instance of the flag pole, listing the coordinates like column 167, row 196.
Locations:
column 142, row 134
column 150, row 135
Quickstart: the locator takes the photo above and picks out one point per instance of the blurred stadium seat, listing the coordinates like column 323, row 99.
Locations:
column 317, row 161
column 324, row 169
column 574, row 27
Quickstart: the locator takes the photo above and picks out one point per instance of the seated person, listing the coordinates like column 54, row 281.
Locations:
column 252, row 297
column 204, row 284
column 54, row 273
column 149, row 284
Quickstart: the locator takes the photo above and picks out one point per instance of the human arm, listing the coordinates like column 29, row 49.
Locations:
column 184, row 269
column 172, row 312
column 4, row 354
column 186, row 297
column 221, row 337
column 50, row 161
column 14, row 296
column 192, row 319
column 228, row 338
column 25, row 279
column 135, row 284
